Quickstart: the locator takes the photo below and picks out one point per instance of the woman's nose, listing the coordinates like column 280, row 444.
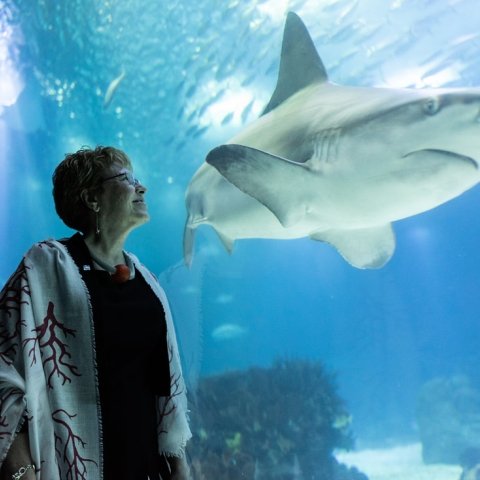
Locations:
column 140, row 188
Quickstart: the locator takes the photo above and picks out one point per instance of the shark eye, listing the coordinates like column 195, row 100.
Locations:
column 431, row 106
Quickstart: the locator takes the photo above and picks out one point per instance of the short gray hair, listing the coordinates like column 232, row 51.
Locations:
column 81, row 171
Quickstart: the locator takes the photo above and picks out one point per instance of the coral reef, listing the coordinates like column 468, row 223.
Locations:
column 280, row 423
column 448, row 417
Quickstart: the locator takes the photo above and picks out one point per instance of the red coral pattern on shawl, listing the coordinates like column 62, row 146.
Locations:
column 54, row 351
column 168, row 406
column 11, row 302
column 3, row 418
column 76, row 465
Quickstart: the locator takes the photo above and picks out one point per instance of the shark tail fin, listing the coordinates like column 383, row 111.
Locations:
column 300, row 64
column 188, row 242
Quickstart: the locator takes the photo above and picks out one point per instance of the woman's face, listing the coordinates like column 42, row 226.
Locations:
column 122, row 204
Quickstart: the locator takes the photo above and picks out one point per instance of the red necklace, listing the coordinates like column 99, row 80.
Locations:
column 120, row 273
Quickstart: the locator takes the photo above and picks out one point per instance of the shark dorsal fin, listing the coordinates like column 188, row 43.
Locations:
column 300, row 64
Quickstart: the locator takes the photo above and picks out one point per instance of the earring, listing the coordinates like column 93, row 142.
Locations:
column 97, row 224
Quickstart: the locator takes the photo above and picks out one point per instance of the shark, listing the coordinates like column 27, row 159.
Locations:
column 337, row 164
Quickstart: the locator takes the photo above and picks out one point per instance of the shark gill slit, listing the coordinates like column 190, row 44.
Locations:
column 334, row 141
column 325, row 148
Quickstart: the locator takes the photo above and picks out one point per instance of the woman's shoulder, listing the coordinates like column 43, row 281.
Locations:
column 147, row 274
column 44, row 245
column 141, row 266
column 45, row 249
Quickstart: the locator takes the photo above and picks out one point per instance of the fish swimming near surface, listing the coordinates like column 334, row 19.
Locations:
column 111, row 89
column 336, row 163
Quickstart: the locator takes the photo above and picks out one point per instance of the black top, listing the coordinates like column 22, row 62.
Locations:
column 133, row 368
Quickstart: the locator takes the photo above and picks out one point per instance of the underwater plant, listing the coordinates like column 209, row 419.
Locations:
column 448, row 418
column 282, row 422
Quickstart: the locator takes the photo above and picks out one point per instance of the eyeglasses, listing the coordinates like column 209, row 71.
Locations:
column 128, row 176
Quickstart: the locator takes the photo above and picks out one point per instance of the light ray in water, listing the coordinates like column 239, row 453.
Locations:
column 230, row 108
column 12, row 83
column 185, row 304
column 4, row 141
column 275, row 9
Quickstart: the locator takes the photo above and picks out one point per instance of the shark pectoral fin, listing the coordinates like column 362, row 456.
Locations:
column 364, row 248
column 263, row 176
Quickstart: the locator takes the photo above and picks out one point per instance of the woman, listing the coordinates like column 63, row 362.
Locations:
column 90, row 378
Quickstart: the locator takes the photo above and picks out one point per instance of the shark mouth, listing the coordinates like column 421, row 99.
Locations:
column 197, row 221
column 446, row 154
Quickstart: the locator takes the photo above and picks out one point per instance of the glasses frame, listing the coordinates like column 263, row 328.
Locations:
column 128, row 176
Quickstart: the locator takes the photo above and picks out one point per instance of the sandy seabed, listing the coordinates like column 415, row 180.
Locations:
column 398, row 463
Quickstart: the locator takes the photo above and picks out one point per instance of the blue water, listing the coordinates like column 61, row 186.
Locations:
column 194, row 75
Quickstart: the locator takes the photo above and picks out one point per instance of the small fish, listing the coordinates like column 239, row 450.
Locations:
column 181, row 112
column 189, row 93
column 192, row 116
column 224, row 298
column 227, row 119
column 342, row 422
column 200, row 131
column 346, row 13
column 112, row 88
column 191, row 130
column 191, row 289
column 249, row 79
column 247, row 110
column 228, row 331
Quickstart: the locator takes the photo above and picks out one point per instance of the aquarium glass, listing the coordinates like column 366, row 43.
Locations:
column 298, row 364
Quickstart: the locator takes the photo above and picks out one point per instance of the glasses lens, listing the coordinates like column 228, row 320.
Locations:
column 131, row 179
column 128, row 176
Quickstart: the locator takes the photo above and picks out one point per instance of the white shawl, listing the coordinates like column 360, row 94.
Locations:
column 48, row 368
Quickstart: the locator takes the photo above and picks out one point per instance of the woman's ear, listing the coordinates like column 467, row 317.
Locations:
column 90, row 200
